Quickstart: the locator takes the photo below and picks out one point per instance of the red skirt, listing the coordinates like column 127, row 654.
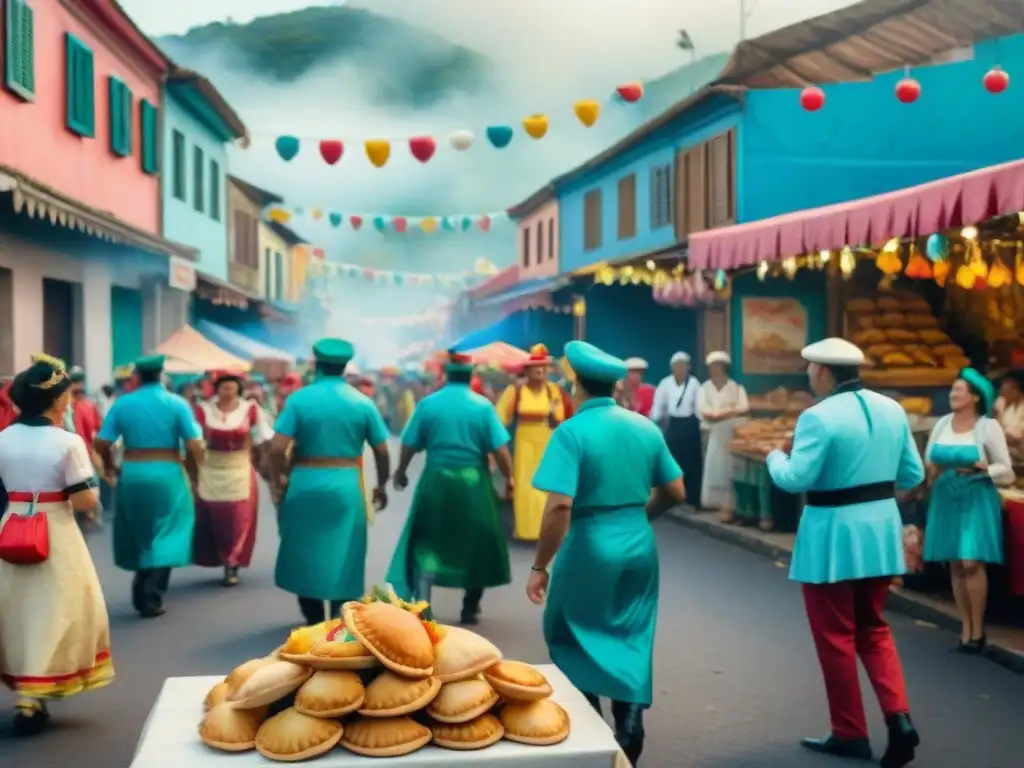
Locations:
column 225, row 532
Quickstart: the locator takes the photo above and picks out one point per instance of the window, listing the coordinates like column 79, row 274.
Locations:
column 691, row 191
column 526, row 246
column 592, row 220
column 661, row 196
column 198, row 172
column 81, row 88
column 278, row 276
column 721, row 181
column 627, row 207
column 178, row 169
column 214, row 190
column 551, row 238
column 20, row 58
column 245, row 238
column 120, row 118
column 268, row 273
column 150, row 130
column 540, row 241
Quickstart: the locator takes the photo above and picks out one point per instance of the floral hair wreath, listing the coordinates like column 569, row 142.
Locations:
column 59, row 371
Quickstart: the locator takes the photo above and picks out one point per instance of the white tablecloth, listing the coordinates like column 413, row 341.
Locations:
column 169, row 738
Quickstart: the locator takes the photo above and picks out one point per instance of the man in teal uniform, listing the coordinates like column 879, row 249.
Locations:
column 850, row 454
column 154, row 514
column 453, row 536
column 322, row 518
column 602, row 605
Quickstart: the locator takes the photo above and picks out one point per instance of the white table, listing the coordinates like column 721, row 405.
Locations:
column 169, row 738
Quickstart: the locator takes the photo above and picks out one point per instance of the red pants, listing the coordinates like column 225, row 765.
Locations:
column 846, row 622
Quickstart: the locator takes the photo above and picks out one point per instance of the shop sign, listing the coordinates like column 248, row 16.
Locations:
column 181, row 275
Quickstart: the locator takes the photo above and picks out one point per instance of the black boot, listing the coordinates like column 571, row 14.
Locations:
column 903, row 741
column 151, row 601
column 231, row 576
column 30, row 717
column 471, row 607
column 629, row 729
column 854, row 749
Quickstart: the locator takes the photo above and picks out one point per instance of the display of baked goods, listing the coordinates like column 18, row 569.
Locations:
column 429, row 683
column 902, row 342
column 761, row 436
column 781, row 399
column 917, row 406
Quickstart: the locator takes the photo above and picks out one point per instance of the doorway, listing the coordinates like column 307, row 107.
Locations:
column 6, row 322
column 59, row 319
column 126, row 340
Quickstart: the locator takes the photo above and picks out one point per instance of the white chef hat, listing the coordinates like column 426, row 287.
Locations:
column 636, row 364
column 718, row 357
column 833, row 351
column 679, row 357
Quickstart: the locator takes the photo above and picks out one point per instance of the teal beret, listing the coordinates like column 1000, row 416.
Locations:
column 150, row 363
column 333, row 351
column 589, row 362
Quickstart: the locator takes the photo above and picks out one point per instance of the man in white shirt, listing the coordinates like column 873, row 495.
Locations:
column 675, row 410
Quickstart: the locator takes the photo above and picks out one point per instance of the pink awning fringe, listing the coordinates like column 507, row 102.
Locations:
column 956, row 201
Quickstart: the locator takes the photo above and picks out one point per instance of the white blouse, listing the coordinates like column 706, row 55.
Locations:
column 42, row 459
column 217, row 419
column 675, row 400
column 731, row 397
column 992, row 442
column 1011, row 417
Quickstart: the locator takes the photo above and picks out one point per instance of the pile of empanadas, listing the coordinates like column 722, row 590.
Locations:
column 380, row 682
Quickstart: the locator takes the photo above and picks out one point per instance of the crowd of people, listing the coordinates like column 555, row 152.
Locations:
column 588, row 453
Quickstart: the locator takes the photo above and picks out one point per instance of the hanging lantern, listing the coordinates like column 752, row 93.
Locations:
column 847, row 261
column 940, row 273
column 1000, row 275
column 605, row 276
column 789, row 267
column 889, row 263
column 918, row 267
column 812, row 98
column 996, row 80
column 908, row 90
column 937, row 247
column 762, row 271
column 978, row 266
column 965, row 278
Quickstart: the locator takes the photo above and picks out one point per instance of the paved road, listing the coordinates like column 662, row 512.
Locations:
column 737, row 681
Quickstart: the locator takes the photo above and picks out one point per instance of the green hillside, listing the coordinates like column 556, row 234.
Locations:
column 404, row 65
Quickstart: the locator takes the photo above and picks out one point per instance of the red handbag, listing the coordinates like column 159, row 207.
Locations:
column 25, row 537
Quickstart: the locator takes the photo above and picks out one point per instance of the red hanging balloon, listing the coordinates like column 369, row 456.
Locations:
column 996, row 80
column 422, row 147
column 356, row 222
column 631, row 92
column 484, row 222
column 401, row 224
column 812, row 98
column 331, row 151
column 908, row 90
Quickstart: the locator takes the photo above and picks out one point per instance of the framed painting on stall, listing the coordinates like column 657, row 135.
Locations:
column 774, row 332
column 714, row 323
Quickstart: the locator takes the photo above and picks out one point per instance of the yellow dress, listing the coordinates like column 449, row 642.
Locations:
column 532, row 430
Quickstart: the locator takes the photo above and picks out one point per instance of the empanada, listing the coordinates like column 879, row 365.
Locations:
column 868, row 337
column 921, row 321
column 901, row 336
column 244, row 671
column 943, row 350
column 933, row 337
column 860, row 305
column 231, row 730
column 341, row 654
column 385, row 737
column 290, row 736
column 866, row 321
column 518, row 681
column 217, row 695
column 891, row 320
column 462, row 654
column 923, row 357
column 878, row 350
column 539, row 723
column 269, row 684
column 390, row 695
column 330, row 693
column 461, row 701
column 396, row 637
column 956, row 362
column 897, row 360
column 302, row 640
column 887, row 303
column 482, row 732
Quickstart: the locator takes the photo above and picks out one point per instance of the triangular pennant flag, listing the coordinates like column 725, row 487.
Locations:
column 587, row 111
column 536, row 126
column 378, row 152
column 316, row 214
column 331, row 150
column 484, row 222
column 500, row 136
column 380, row 223
column 428, row 225
column 287, row 147
column 279, row 215
column 355, row 221
column 448, row 223
column 422, row 147
column 400, row 223
column 467, row 222
column 335, row 219
column 460, row 140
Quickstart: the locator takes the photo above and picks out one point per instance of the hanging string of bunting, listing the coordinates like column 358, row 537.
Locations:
column 424, row 147
column 433, row 318
column 392, row 277
column 382, row 223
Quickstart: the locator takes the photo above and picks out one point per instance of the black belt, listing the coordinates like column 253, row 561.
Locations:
column 858, row 494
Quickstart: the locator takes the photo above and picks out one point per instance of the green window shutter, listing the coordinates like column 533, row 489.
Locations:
column 20, row 62
column 81, row 93
column 198, row 171
column 179, row 165
column 150, row 137
column 120, row 118
column 214, row 190
column 268, row 277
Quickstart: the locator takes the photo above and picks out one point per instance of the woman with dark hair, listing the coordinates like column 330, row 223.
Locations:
column 1009, row 410
column 54, row 633
column 967, row 457
column 228, row 496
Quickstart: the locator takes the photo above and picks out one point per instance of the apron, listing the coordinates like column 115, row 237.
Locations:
column 716, row 490
column 965, row 519
column 682, row 434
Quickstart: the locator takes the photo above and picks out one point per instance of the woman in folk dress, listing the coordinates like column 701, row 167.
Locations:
column 54, row 633
column 228, row 495
column 722, row 403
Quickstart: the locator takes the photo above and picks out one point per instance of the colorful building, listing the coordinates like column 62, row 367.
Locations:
column 198, row 125
column 85, row 273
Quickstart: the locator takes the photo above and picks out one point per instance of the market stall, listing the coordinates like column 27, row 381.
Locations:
column 188, row 351
column 498, row 355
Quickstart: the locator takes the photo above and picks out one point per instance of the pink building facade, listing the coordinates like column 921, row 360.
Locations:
column 537, row 235
column 82, row 258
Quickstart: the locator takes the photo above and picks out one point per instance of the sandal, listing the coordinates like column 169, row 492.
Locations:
column 30, row 717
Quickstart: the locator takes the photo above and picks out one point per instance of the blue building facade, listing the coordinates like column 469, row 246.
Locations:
column 198, row 125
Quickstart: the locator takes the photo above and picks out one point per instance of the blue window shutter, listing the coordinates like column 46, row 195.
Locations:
column 150, row 137
column 81, row 96
column 19, row 61
column 120, row 118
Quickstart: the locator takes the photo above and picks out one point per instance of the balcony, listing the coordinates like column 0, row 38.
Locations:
column 245, row 277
